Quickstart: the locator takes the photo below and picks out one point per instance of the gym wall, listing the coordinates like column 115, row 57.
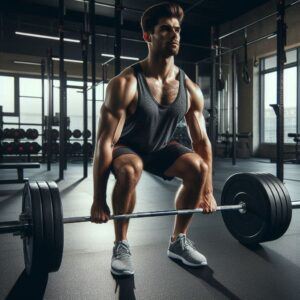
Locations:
column 248, row 95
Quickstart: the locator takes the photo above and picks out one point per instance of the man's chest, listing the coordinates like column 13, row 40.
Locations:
column 163, row 92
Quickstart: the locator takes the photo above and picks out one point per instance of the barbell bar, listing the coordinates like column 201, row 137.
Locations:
column 21, row 226
column 256, row 208
column 158, row 213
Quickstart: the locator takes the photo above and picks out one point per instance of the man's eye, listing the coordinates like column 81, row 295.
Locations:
column 165, row 28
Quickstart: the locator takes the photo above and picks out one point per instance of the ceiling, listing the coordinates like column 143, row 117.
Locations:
column 41, row 16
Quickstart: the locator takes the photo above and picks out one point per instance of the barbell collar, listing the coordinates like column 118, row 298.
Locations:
column 296, row 204
column 241, row 207
column 13, row 226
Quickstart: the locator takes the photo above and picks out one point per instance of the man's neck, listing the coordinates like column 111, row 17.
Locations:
column 159, row 67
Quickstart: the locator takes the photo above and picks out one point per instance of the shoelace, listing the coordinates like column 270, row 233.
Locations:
column 122, row 251
column 184, row 242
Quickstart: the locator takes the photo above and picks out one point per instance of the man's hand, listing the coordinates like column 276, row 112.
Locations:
column 100, row 213
column 208, row 203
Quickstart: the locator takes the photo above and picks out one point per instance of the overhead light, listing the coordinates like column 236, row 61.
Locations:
column 69, row 60
column 122, row 57
column 48, row 37
column 98, row 3
column 26, row 63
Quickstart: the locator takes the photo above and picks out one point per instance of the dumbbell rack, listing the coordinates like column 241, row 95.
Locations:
column 78, row 153
column 16, row 142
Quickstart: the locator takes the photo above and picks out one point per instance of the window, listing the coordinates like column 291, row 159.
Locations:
column 7, row 94
column 269, row 96
column 30, row 97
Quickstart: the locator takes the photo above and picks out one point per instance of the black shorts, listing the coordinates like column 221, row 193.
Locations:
column 156, row 162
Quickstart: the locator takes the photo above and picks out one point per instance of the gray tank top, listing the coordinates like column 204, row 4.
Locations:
column 152, row 125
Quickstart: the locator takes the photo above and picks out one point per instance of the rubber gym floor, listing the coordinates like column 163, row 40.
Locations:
column 270, row 271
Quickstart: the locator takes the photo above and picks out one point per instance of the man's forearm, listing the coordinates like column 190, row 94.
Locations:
column 101, row 169
column 203, row 148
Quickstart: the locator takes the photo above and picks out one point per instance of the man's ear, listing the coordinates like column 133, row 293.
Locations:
column 147, row 37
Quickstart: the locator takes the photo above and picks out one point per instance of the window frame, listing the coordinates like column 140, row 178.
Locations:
column 262, row 72
column 16, row 111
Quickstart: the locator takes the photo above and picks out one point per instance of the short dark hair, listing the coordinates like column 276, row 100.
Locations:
column 153, row 14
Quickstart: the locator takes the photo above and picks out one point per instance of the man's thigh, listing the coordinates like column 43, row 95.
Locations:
column 124, row 157
column 161, row 161
column 185, row 166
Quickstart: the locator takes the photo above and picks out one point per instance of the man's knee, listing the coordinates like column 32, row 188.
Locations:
column 128, row 175
column 195, row 172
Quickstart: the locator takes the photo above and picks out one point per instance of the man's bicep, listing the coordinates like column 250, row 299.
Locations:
column 110, row 124
column 113, row 111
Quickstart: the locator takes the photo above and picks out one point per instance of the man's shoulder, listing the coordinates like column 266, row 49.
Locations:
column 194, row 90
column 190, row 84
column 126, row 79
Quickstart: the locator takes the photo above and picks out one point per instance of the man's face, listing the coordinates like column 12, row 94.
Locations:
column 166, row 37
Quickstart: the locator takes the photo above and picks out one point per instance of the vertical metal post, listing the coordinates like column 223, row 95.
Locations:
column 62, row 116
column 281, row 42
column 234, row 96
column 84, row 45
column 43, row 106
column 213, row 91
column 65, row 120
column 298, row 91
column 50, row 109
column 118, row 41
column 1, row 127
column 103, row 80
column 93, row 67
column 1, row 117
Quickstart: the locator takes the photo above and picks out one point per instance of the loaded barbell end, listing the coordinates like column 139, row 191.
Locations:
column 243, row 210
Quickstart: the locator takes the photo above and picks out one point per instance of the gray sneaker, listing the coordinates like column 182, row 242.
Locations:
column 121, row 264
column 184, row 249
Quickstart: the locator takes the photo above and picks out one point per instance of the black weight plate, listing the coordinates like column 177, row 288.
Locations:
column 58, row 227
column 275, row 212
column 77, row 133
column 48, row 223
column 286, row 204
column 33, row 241
column 251, row 227
column 280, row 205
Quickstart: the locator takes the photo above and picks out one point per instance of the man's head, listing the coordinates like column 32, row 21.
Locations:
column 161, row 27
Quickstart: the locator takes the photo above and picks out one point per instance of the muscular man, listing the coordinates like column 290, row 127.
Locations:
column 143, row 105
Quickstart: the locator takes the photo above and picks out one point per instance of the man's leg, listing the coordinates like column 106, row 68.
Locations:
column 193, row 172
column 127, row 169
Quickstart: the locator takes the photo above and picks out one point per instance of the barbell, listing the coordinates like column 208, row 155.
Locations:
column 256, row 207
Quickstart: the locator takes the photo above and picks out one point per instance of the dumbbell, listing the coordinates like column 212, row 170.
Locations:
column 77, row 133
column 32, row 148
column 68, row 134
column 87, row 134
column 54, row 134
column 18, row 133
column 8, row 133
column 9, row 148
column 31, row 134
column 20, row 148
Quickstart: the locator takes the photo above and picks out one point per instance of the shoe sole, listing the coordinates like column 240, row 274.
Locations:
column 184, row 261
column 124, row 273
